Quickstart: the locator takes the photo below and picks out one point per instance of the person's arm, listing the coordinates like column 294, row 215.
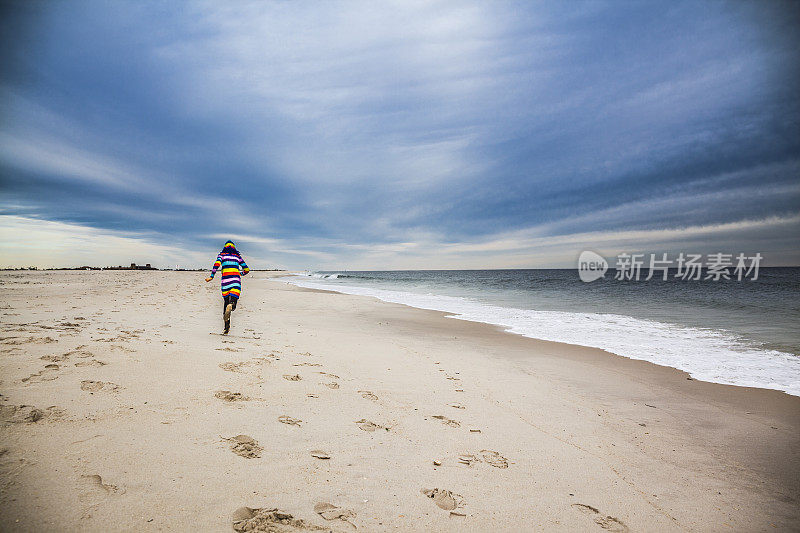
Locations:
column 244, row 267
column 217, row 264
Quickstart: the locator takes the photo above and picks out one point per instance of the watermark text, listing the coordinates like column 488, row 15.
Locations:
column 683, row 266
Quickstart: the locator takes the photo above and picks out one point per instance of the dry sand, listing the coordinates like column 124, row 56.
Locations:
column 122, row 409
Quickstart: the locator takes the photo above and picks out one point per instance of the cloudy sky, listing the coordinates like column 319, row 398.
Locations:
column 384, row 135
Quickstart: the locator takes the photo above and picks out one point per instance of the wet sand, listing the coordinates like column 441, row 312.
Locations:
column 124, row 409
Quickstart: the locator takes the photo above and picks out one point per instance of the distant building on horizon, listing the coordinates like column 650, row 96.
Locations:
column 133, row 266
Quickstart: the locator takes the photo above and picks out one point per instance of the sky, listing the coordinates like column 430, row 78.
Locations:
column 397, row 135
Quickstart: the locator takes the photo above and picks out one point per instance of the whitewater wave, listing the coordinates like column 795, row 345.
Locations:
column 708, row 355
column 316, row 275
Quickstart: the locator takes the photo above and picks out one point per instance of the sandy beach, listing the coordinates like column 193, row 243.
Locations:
column 123, row 409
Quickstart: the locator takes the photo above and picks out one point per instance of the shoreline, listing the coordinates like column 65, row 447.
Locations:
column 458, row 315
column 741, row 400
column 590, row 439
column 672, row 375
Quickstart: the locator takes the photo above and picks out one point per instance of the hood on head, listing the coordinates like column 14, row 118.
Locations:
column 229, row 248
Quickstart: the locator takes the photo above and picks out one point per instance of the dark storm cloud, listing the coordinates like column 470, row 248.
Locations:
column 339, row 132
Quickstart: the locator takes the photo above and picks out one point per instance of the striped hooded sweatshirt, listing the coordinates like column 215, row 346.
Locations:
column 229, row 262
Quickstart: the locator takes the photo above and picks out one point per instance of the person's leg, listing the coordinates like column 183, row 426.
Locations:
column 229, row 304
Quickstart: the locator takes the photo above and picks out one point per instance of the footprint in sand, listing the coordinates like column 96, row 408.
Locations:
column 468, row 459
column 290, row 377
column 609, row 523
column 49, row 373
column 447, row 421
column 29, row 340
column 54, row 358
column 319, row 454
column 78, row 352
column 367, row 425
column 443, row 498
column 332, row 385
column 95, row 491
column 27, row 414
column 284, row 419
column 495, row 459
column 95, row 481
column 490, row 457
column 13, row 349
column 93, row 362
column 328, row 374
column 245, row 446
column 269, row 520
column 122, row 348
column 97, row 386
column 230, row 366
column 456, row 405
column 228, row 396
column 368, row 395
column 307, row 364
column 328, row 511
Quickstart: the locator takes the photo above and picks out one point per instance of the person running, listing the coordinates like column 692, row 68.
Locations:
column 230, row 262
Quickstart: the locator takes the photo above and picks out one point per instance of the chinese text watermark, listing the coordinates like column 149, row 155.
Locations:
column 686, row 266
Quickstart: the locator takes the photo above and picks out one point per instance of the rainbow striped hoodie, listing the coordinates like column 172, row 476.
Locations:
column 230, row 262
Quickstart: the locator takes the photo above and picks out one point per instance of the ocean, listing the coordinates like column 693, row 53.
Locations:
column 733, row 332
